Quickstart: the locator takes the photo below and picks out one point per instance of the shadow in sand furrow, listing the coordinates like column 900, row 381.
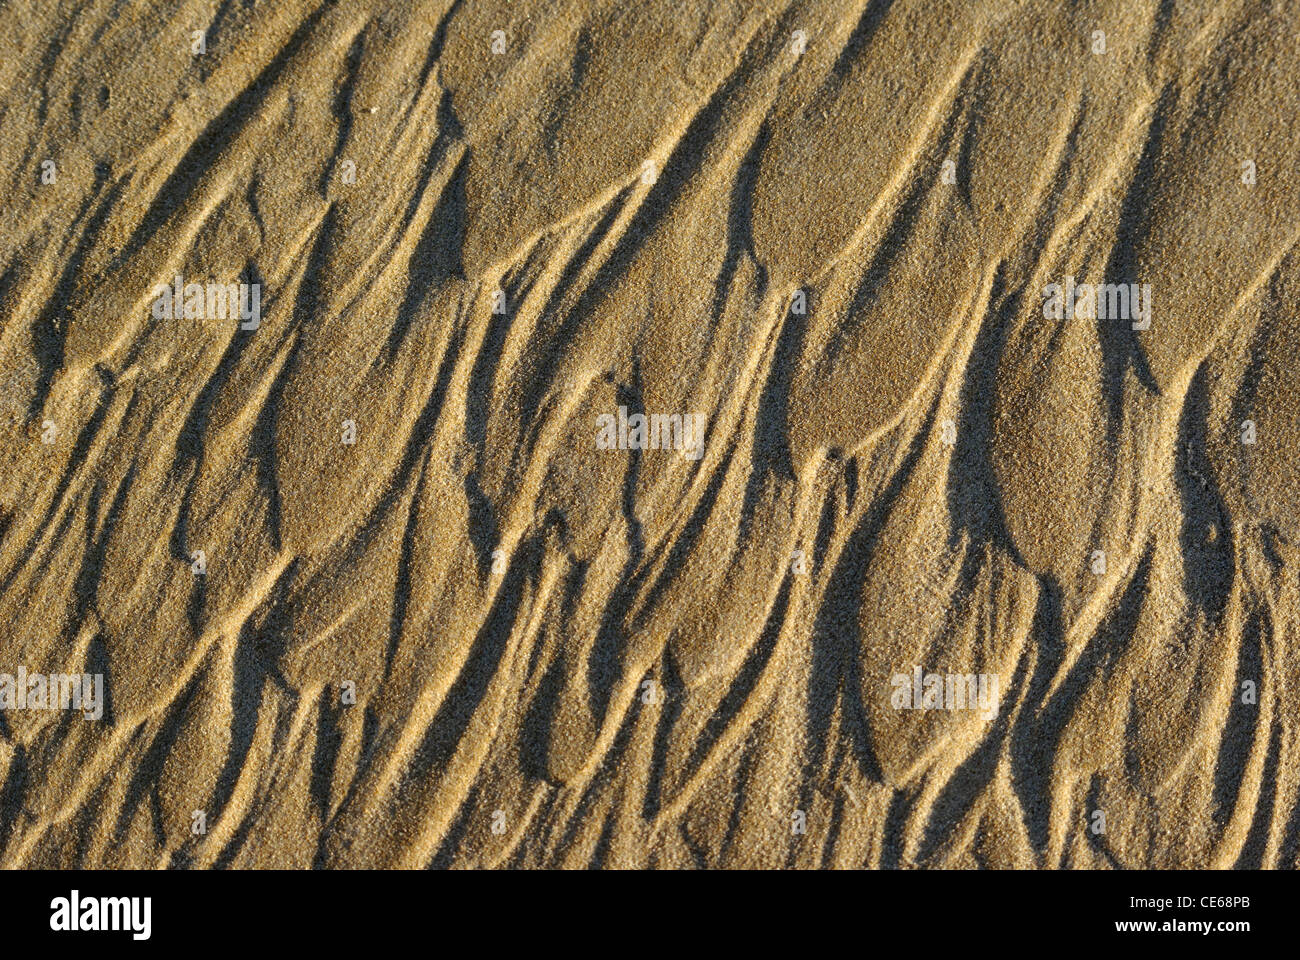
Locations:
column 214, row 141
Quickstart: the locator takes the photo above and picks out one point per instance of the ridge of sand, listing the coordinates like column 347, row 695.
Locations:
column 438, row 625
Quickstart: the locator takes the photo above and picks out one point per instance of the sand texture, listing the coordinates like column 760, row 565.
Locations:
column 382, row 573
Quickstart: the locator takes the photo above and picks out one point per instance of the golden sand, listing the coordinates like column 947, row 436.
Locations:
column 388, row 571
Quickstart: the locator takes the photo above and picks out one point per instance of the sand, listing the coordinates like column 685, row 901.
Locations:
column 387, row 569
